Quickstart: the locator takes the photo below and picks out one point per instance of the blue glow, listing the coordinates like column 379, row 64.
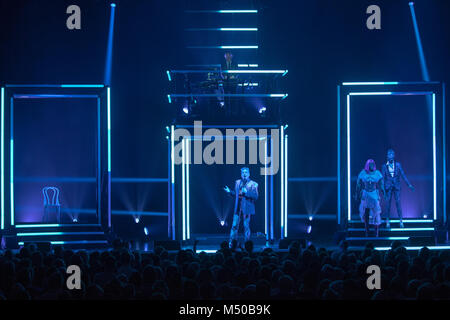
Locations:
column 108, row 90
column 168, row 75
column 109, row 49
column 423, row 63
column 2, row 159
column 146, row 231
column 369, row 83
column 168, row 98
column 113, row 5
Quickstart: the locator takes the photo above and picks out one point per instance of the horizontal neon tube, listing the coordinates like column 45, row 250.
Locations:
column 238, row 29
column 368, row 83
column 37, row 225
column 237, row 11
column 379, row 238
column 370, row 93
column 238, row 47
column 254, row 71
column 411, row 229
column 417, row 248
column 55, row 233
column 21, row 243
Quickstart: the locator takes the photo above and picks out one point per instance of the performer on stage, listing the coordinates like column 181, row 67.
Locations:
column 392, row 171
column 369, row 188
column 246, row 194
column 229, row 80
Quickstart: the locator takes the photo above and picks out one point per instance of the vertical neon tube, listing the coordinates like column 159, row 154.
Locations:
column 265, row 190
column 108, row 90
column 108, row 111
column 348, row 160
column 183, row 188
column 172, row 172
column 11, row 159
column 2, row 159
column 339, row 154
column 282, row 180
column 434, row 158
column 188, row 223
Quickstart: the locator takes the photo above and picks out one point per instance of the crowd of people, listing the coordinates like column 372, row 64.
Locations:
column 237, row 273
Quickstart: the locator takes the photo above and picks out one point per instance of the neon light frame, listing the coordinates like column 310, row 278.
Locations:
column 35, row 95
column 185, row 234
column 433, row 94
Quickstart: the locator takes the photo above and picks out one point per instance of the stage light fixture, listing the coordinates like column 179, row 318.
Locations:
column 74, row 220
column 186, row 110
column 222, row 223
column 146, row 231
column 262, row 109
column 136, row 220
column 309, row 229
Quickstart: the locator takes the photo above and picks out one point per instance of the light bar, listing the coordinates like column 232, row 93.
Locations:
column 37, row 225
column 237, row 11
column 434, row 159
column 108, row 90
column 368, row 83
column 369, row 93
column 254, row 71
column 411, row 229
column 416, row 248
column 168, row 75
column 82, row 86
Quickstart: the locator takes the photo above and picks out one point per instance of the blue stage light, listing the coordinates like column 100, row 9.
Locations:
column 146, row 231
column 185, row 109
column 262, row 109
column 113, row 5
column 136, row 220
column 222, row 223
column 309, row 229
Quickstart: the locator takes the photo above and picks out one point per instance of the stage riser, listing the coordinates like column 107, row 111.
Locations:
column 382, row 233
column 376, row 242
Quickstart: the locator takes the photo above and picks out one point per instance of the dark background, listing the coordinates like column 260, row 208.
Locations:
column 322, row 43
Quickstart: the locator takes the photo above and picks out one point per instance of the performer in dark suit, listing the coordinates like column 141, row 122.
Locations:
column 246, row 194
column 229, row 83
column 392, row 171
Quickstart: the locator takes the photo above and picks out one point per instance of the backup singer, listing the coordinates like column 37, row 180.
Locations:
column 369, row 189
column 246, row 194
column 392, row 171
